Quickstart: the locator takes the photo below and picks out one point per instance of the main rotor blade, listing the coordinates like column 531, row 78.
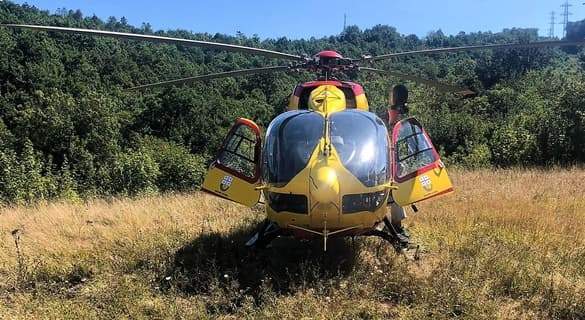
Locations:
column 443, row 87
column 234, row 73
column 159, row 39
column 479, row 47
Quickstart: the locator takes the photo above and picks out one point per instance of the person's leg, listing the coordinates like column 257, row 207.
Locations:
column 397, row 214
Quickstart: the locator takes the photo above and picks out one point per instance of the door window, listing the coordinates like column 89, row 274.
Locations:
column 413, row 149
column 240, row 151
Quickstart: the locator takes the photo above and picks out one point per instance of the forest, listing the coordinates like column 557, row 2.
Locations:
column 71, row 129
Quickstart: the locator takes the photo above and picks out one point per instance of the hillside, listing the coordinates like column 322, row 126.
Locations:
column 508, row 244
column 70, row 129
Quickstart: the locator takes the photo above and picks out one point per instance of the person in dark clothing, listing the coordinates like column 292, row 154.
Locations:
column 397, row 111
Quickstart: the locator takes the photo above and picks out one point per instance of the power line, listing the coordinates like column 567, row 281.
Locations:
column 551, row 30
column 565, row 16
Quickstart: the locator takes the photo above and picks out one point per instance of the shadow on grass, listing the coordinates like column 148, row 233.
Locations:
column 221, row 260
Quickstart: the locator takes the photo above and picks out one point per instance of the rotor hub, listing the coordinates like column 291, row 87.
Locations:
column 328, row 62
column 329, row 54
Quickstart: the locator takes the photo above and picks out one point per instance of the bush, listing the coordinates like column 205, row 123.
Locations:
column 179, row 169
column 135, row 172
column 22, row 178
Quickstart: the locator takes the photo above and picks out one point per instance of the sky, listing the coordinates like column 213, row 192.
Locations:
column 308, row 18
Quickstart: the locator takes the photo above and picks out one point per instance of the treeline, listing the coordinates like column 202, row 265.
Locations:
column 70, row 128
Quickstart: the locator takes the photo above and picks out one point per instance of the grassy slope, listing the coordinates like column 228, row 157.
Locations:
column 508, row 243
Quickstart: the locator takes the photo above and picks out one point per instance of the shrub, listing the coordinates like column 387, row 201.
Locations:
column 134, row 172
column 179, row 169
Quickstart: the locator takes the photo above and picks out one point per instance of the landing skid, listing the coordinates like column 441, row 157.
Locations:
column 267, row 232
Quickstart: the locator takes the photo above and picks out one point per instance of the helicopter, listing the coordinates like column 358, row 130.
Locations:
column 327, row 166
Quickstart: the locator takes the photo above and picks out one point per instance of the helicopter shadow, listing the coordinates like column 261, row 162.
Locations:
column 220, row 259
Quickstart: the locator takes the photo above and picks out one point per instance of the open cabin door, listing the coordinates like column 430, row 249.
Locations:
column 235, row 173
column 417, row 168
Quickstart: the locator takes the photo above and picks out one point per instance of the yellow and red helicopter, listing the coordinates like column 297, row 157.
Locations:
column 327, row 166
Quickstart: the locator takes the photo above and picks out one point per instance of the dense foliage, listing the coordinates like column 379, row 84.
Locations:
column 69, row 128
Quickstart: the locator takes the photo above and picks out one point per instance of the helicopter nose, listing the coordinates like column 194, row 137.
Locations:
column 324, row 185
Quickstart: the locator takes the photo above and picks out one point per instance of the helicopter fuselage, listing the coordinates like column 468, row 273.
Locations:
column 324, row 167
column 337, row 202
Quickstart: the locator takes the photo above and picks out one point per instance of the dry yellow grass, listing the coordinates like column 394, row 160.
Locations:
column 510, row 244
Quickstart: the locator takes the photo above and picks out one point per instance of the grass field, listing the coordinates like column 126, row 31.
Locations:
column 509, row 244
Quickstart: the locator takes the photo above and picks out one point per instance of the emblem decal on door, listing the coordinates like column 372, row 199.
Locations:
column 426, row 183
column 226, row 183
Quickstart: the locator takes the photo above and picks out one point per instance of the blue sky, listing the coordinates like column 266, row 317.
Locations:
column 306, row 18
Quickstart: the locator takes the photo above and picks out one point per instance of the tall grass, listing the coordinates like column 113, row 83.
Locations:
column 509, row 244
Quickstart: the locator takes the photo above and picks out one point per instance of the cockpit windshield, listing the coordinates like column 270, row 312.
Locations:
column 291, row 139
column 361, row 140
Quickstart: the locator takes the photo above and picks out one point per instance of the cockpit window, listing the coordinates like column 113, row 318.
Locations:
column 361, row 140
column 291, row 139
